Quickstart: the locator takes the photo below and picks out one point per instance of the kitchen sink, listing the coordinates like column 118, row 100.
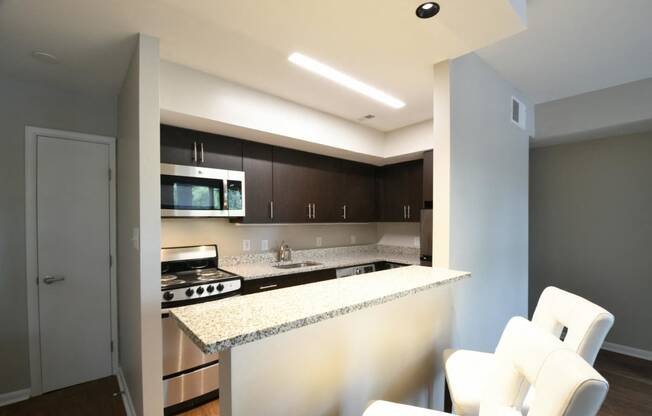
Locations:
column 297, row 265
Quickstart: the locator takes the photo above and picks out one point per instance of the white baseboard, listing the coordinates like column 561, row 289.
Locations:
column 625, row 350
column 126, row 397
column 14, row 396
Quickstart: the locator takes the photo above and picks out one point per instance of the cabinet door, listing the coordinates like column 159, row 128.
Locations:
column 357, row 192
column 220, row 152
column 427, row 178
column 325, row 183
column 291, row 185
column 177, row 145
column 392, row 199
column 413, row 177
column 257, row 165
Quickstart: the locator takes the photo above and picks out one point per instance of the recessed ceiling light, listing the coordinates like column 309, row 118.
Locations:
column 45, row 57
column 428, row 10
column 345, row 80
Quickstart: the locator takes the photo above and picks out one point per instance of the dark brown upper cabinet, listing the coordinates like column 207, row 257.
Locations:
column 427, row 178
column 188, row 147
column 399, row 192
column 257, row 163
column 305, row 185
column 356, row 194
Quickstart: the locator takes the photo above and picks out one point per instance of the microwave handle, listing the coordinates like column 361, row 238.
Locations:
column 201, row 148
column 194, row 151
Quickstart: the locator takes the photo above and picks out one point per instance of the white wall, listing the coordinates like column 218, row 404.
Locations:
column 139, row 317
column 409, row 140
column 21, row 104
column 189, row 96
column 624, row 109
column 481, row 188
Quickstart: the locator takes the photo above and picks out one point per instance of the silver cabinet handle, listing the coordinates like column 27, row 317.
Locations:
column 48, row 280
column 314, row 211
column 344, row 213
column 271, row 210
column 201, row 147
column 409, row 216
column 268, row 287
column 309, row 210
column 194, row 151
column 225, row 203
column 404, row 213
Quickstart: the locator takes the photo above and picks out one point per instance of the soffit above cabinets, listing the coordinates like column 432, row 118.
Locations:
column 380, row 42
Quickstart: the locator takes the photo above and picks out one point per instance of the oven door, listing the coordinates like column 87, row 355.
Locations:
column 188, row 373
column 189, row 191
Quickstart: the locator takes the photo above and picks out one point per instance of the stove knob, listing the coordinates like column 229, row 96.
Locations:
column 190, row 292
column 200, row 290
column 168, row 295
column 210, row 289
column 220, row 287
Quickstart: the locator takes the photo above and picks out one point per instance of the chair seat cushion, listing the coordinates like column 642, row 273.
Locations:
column 467, row 374
column 383, row 408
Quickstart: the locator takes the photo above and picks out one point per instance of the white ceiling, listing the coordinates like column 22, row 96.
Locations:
column 576, row 46
column 380, row 42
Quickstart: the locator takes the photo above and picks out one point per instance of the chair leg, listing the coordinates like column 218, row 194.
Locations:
column 448, row 403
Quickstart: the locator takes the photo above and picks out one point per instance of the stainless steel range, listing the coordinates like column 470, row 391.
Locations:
column 190, row 275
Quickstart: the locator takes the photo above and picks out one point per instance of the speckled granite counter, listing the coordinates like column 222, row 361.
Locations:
column 222, row 324
column 259, row 266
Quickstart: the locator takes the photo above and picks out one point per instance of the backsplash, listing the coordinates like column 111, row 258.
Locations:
column 230, row 237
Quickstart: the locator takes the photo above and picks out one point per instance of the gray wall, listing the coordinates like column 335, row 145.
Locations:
column 488, row 201
column 592, row 228
column 22, row 104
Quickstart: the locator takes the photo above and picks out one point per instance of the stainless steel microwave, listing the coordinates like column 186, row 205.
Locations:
column 192, row 191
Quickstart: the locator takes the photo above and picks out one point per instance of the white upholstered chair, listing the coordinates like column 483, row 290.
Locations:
column 587, row 325
column 566, row 384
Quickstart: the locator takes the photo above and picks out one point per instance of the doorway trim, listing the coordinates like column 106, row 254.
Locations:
column 31, row 251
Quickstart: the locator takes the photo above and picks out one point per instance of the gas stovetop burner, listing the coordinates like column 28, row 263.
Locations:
column 167, row 277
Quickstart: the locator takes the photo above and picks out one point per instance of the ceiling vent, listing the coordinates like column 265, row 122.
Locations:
column 367, row 117
column 519, row 113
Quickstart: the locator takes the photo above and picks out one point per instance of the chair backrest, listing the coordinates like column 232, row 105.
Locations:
column 565, row 383
column 587, row 323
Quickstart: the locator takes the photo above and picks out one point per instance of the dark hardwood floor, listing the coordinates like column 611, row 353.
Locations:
column 630, row 384
column 98, row 398
column 630, row 393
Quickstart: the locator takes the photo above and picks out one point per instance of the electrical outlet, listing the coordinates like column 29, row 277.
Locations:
column 318, row 241
column 246, row 245
column 354, row 239
column 417, row 241
column 264, row 245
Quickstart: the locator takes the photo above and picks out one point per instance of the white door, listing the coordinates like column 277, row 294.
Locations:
column 73, row 243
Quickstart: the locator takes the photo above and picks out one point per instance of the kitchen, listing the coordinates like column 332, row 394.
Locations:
column 246, row 209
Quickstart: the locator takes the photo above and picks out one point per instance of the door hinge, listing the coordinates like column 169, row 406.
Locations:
column 110, row 175
column 110, row 260
column 36, row 280
column 111, row 346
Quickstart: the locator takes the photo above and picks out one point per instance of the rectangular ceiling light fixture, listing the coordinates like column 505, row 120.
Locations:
column 347, row 81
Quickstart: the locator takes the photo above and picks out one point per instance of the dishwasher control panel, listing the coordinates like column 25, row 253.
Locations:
column 355, row 270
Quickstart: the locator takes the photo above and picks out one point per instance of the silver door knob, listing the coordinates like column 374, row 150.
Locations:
column 48, row 280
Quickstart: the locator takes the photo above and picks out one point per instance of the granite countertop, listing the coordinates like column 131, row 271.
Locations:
column 222, row 324
column 262, row 265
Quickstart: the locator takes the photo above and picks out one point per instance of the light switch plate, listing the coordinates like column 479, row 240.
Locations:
column 318, row 241
column 417, row 241
column 264, row 245
column 246, row 245
column 135, row 237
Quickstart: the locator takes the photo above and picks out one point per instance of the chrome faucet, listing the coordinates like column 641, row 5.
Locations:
column 284, row 252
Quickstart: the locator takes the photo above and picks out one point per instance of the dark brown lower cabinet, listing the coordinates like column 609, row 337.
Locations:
column 278, row 282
